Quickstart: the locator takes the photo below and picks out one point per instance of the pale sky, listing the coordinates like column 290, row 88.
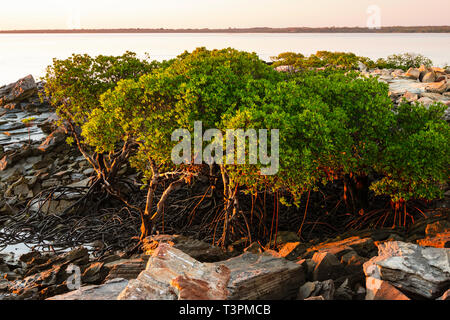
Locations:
column 63, row 14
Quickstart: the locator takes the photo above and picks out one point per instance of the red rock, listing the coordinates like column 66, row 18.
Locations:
column 364, row 247
column 382, row 290
column 441, row 240
column 445, row 296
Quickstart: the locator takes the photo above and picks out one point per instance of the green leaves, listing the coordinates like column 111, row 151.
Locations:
column 332, row 122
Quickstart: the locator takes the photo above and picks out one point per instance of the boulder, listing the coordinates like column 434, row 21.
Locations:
column 422, row 271
column 172, row 274
column 425, row 101
column 429, row 77
column 110, row 290
column 327, row 266
column 413, row 73
column 316, row 289
column 400, row 73
column 19, row 91
column 437, row 87
column 377, row 289
column 410, row 97
column 432, row 96
column 263, row 277
column 53, row 140
column 95, row 273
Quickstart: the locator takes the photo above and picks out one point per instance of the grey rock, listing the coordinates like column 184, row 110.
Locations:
column 327, row 266
column 424, row 271
column 310, row 290
column 110, row 290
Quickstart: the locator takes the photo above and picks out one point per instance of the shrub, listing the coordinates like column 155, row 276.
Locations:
column 333, row 125
column 415, row 162
column 404, row 61
column 343, row 60
column 200, row 86
column 75, row 85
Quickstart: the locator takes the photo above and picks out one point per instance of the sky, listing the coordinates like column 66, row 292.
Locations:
column 92, row 14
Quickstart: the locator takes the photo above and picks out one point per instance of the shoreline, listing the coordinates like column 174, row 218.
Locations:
column 390, row 29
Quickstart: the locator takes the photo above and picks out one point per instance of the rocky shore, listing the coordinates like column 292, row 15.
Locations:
column 373, row 265
column 370, row 265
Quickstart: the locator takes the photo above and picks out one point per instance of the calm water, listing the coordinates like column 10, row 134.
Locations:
column 24, row 54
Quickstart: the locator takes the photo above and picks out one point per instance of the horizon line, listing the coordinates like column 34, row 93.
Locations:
column 385, row 29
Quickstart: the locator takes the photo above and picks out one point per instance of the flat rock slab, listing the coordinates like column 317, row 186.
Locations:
column 108, row 291
column 261, row 277
column 424, row 271
column 173, row 275
column 126, row 269
column 363, row 246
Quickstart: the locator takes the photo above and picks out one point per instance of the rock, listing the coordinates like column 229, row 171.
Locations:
column 429, row 77
column 310, row 290
column 365, row 247
column 362, row 67
column 95, row 273
column 3, row 285
column 263, row 277
column 437, row 227
column 425, row 101
column 410, row 97
column 4, row 268
column 445, row 296
column 432, row 96
column 381, row 290
column 110, row 290
column 319, row 298
column 440, row 240
column 422, row 271
column 55, row 138
column 327, row 266
column 172, row 274
column 413, row 73
column 126, row 269
column 255, row 248
column 285, row 69
column 437, row 87
column 353, row 263
column 197, row 249
column 292, row 250
column 400, row 73
column 28, row 257
column 19, row 91
column 344, row 292
column 438, row 70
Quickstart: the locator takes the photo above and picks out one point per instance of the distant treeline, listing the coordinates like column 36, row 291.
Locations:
column 417, row 29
